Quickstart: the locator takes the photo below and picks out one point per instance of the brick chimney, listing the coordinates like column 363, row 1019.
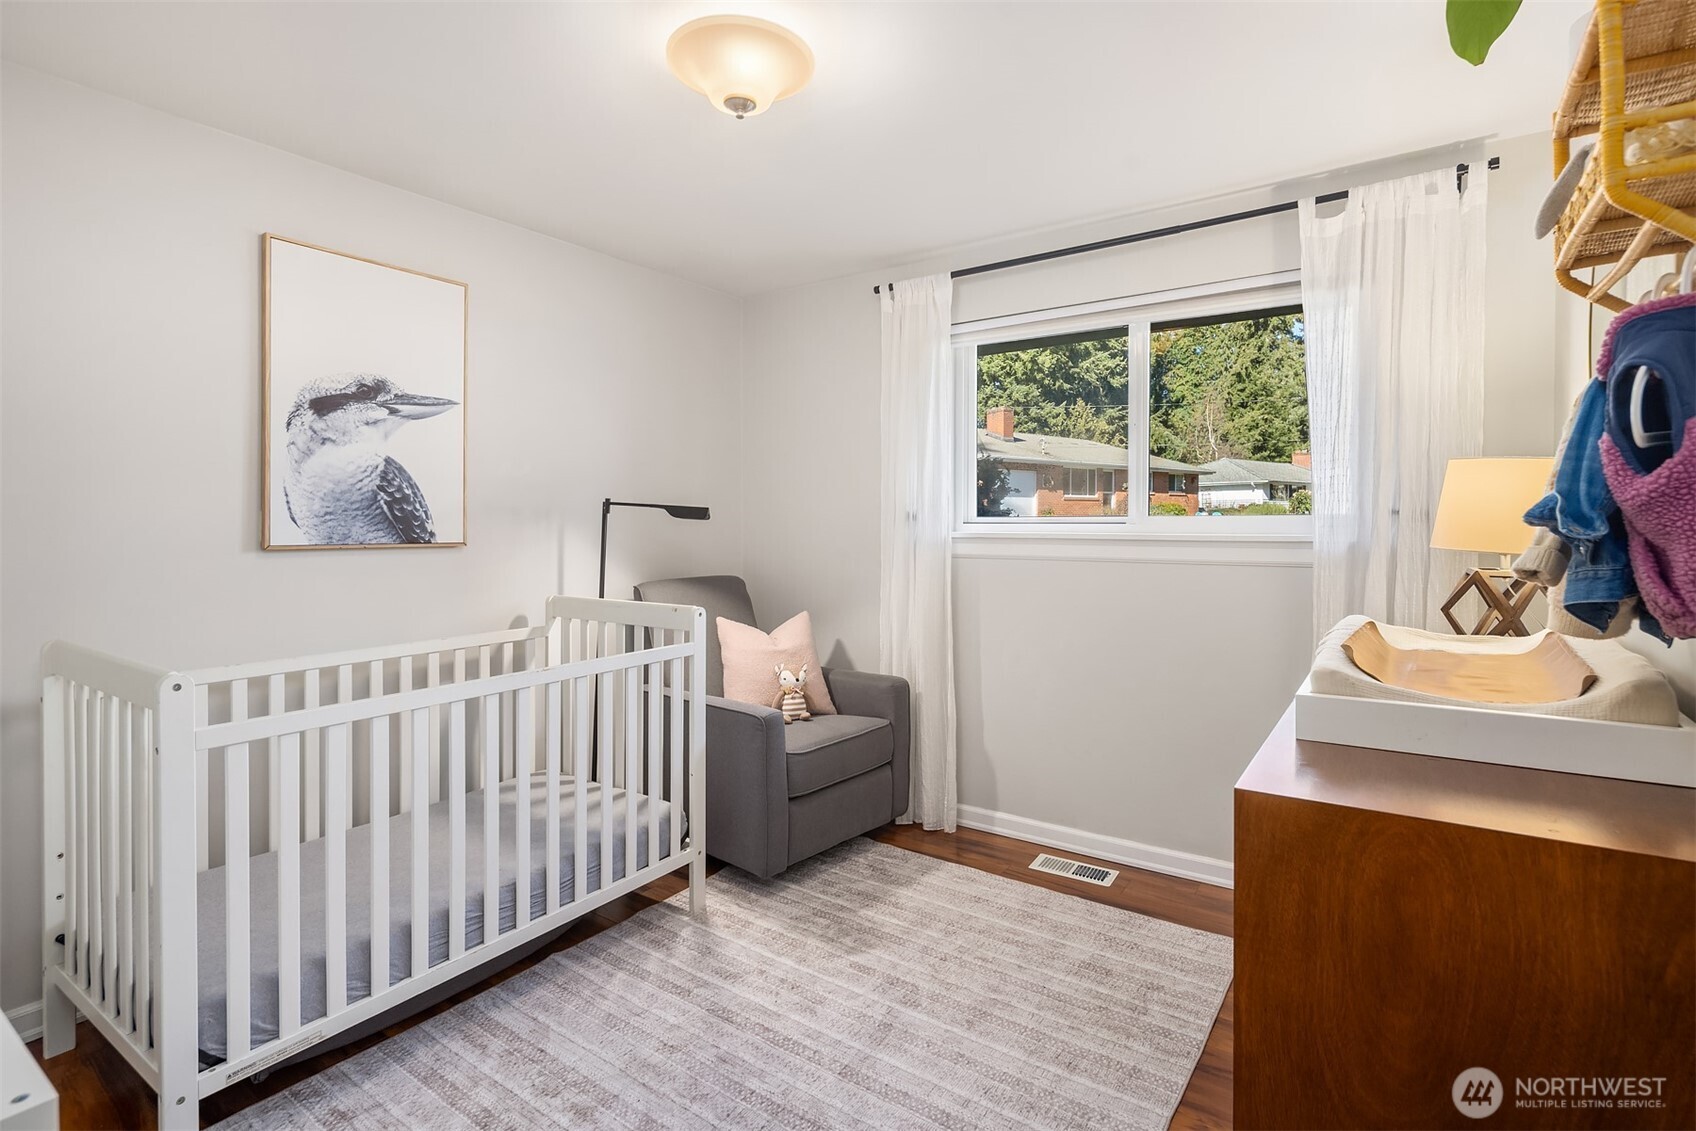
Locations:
column 999, row 422
column 1302, row 459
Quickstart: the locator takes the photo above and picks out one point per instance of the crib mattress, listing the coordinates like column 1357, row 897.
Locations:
column 262, row 885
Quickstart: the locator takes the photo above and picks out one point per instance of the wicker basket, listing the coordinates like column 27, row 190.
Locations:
column 1637, row 67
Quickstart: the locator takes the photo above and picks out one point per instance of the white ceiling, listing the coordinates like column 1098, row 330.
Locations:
column 927, row 125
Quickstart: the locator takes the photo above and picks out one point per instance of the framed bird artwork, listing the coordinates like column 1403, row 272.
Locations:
column 364, row 402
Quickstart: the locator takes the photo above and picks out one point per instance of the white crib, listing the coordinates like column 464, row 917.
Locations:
column 294, row 822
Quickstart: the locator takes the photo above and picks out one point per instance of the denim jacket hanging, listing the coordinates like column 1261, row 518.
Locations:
column 1582, row 508
column 1582, row 511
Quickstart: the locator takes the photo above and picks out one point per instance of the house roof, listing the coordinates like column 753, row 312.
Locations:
column 1232, row 472
column 1063, row 451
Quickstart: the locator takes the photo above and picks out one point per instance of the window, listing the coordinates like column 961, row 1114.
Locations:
column 1192, row 409
column 1227, row 395
column 1045, row 406
column 1080, row 482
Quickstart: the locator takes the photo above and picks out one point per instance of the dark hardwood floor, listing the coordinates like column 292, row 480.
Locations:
column 98, row 1090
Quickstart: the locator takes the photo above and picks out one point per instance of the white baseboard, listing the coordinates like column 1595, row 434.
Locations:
column 1206, row 869
column 26, row 1019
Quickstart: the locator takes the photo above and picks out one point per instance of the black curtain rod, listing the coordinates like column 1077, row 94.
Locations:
column 1159, row 233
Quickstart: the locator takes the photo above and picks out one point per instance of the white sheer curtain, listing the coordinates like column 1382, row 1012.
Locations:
column 916, row 629
column 1393, row 298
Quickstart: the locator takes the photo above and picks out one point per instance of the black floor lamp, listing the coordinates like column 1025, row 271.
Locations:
column 698, row 514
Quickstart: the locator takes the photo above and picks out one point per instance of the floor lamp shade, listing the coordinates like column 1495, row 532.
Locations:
column 1483, row 505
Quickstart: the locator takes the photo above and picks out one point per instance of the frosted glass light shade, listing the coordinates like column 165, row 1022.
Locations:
column 1483, row 505
column 740, row 63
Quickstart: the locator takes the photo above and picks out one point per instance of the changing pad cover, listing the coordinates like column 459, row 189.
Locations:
column 1628, row 688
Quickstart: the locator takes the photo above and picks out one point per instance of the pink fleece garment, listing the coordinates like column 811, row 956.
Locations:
column 1660, row 516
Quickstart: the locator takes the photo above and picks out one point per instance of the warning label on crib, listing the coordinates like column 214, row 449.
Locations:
column 277, row 1053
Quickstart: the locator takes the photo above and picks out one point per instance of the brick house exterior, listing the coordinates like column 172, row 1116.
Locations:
column 1056, row 476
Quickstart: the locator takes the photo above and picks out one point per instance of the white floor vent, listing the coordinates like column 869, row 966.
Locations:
column 1076, row 869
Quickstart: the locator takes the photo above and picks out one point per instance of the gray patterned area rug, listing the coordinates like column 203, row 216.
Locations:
column 870, row 987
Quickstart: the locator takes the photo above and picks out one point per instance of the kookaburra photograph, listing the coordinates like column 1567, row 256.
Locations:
column 364, row 402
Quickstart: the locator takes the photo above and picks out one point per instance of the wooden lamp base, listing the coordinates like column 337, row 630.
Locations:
column 1506, row 598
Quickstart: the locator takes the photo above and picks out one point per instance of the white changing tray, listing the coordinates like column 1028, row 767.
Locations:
column 1664, row 755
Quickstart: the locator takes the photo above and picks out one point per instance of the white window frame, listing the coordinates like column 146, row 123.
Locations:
column 1137, row 313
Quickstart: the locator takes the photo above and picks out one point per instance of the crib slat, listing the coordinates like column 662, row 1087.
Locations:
column 476, row 709
column 491, row 816
column 456, row 827
column 97, row 823
column 344, row 694
column 606, row 756
column 379, row 850
column 406, row 739
column 274, row 705
column 435, row 750
column 376, row 687
column 433, row 678
column 551, row 729
column 674, row 792
column 109, row 860
column 76, row 828
column 420, row 755
column 203, row 784
column 143, row 945
column 237, row 985
column 632, row 762
column 524, row 753
column 288, row 888
column 314, row 758
column 652, row 787
column 336, row 811
column 124, row 746
column 509, row 750
column 580, row 786
column 87, row 838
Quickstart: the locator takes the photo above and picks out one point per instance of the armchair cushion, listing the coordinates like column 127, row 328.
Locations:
column 881, row 697
column 832, row 748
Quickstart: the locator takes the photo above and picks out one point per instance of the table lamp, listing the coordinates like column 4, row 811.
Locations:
column 1482, row 510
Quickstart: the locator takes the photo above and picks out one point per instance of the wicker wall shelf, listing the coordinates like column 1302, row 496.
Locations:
column 1636, row 68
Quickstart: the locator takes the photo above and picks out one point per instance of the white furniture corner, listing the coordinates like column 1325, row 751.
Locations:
column 27, row 1101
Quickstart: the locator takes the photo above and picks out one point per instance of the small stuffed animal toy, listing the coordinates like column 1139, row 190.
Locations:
column 791, row 698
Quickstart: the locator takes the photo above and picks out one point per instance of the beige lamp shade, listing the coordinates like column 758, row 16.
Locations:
column 1484, row 501
column 740, row 63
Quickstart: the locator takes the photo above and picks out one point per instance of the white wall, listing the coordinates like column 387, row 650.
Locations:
column 1120, row 698
column 129, row 265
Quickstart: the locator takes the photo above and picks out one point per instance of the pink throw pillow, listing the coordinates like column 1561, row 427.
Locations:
column 751, row 659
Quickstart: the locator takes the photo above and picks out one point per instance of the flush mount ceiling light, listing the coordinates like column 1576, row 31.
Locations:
column 740, row 63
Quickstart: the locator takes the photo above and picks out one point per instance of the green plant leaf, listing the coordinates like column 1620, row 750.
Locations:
column 1475, row 25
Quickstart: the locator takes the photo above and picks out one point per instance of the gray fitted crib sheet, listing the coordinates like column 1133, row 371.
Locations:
column 262, row 887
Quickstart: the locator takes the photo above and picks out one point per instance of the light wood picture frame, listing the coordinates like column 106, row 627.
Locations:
column 364, row 372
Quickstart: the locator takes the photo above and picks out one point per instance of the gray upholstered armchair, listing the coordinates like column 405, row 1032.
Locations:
column 778, row 794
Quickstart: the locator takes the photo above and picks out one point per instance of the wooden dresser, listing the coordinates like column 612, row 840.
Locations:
column 1402, row 919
